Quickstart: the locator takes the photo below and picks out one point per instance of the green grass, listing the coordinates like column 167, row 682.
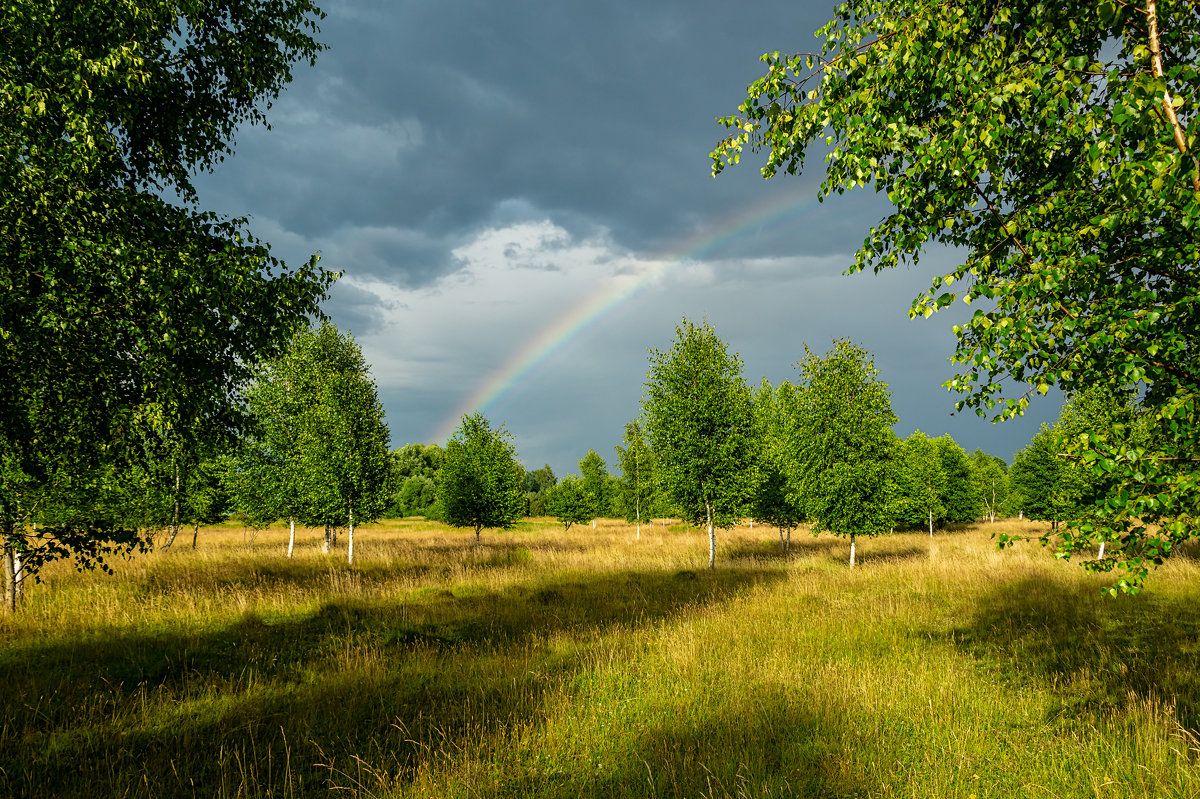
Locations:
column 591, row 664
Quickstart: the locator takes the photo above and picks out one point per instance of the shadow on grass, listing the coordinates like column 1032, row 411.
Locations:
column 779, row 751
column 314, row 573
column 827, row 549
column 769, row 549
column 1097, row 652
column 252, row 707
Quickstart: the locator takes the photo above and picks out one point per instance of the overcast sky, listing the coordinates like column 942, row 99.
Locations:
column 518, row 198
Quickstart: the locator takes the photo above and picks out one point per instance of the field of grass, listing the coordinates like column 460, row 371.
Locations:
column 594, row 665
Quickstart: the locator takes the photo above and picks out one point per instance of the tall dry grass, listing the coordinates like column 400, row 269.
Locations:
column 593, row 664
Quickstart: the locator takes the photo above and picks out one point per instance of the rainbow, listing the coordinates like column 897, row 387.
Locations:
column 568, row 326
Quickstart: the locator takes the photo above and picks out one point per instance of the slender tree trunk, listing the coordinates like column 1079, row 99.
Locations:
column 782, row 545
column 19, row 570
column 350, row 535
column 291, row 535
column 852, row 550
column 931, row 524
column 175, row 512
column 328, row 540
column 593, row 524
column 195, row 533
column 10, row 579
column 1101, row 555
column 712, row 537
column 637, row 514
column 477, row 529
column 10, row 573
column 788, row 546
column 1156, row 68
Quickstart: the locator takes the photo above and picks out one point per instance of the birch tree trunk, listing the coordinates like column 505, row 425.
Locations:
column 1101, row 555
column 195, row 533
column 637, row 514
column 10, row 574
column 291, row 535
column 350, row 535
column 852, row 550
column 325, row 544
column 175, row 512
column 712, row 537
column 931, row 524
column 19, row 571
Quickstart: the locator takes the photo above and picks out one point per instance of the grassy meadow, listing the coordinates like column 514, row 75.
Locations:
column 590, row 664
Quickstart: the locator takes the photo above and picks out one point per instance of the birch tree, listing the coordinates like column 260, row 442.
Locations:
column 1051, row 147
column 842, row 445
column 774, row 502
column 636, row 488
column 128, row 308
column 698, row 418
column 481, row 480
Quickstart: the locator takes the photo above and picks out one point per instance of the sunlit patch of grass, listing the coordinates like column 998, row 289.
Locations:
column 597, row 664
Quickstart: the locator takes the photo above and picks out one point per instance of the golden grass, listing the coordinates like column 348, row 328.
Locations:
column 593, row 664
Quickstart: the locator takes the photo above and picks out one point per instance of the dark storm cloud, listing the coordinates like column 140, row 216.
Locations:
column 480, row 172
column 426, row 117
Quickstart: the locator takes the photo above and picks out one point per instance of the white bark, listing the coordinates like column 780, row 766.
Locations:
column 350, row 536
column 175, row 514
column 1101, row 555
column 712, row 537
column 852, row 550
column 931, row 524
column 326, row 542
column 291, row 535
column 10, row 575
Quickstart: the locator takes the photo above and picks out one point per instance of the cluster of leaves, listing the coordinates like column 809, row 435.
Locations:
column 841, row 442
column 415, row 472
column 124, row 317
column 318, row 452
column 1052, row 144
column 696, row 410
column 481, row 480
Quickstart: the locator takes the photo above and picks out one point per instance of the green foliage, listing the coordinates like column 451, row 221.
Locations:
column 959, row 494
column 414, row 478
column 570, row 502
column 1052, row 145
column 635, row 491
column 537, row 489
column 774, row 503
column 920, row 479
column 841, row 442
column 594, row 472
column 481, row 482
column 697, row 412
column 126, row 316
column 1036, row 479
column 318, row 453
column 991, row 482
